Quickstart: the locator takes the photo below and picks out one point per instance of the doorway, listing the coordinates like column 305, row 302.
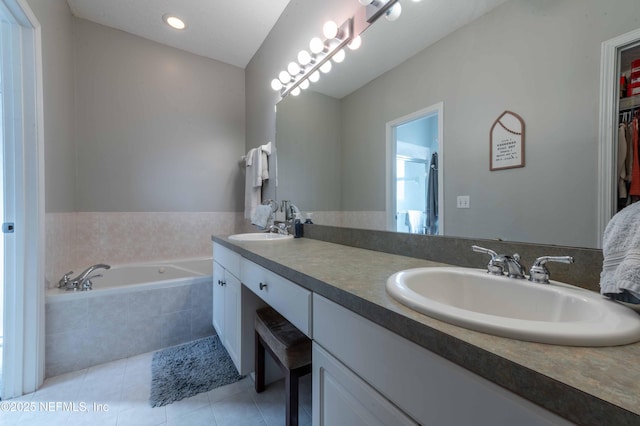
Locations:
column 619, row 105
column 414, row 172
column 22, row 200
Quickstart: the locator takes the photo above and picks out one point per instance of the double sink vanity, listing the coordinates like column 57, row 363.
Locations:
column 380, row 356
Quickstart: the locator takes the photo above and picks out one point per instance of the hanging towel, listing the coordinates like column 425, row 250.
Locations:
column 261, row 216
column 252, row 193
column 432, row 196
column 414, row 221
column 257, row 171
column 620, row 277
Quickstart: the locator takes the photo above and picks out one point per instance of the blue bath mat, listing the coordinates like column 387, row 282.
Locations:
column 186, row 370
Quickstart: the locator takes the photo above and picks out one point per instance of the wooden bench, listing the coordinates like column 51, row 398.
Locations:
column 290, row 349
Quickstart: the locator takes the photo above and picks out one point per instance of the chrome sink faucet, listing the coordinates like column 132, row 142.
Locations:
column 501, row 264
column 83, row 281
column 539, row 272
column 289, row 210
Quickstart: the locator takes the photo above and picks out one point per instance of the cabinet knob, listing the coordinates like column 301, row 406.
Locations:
column 262, row 286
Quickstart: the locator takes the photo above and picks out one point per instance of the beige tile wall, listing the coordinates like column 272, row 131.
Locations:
column 76, row 240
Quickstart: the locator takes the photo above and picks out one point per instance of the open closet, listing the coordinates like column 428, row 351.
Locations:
column 628, row 134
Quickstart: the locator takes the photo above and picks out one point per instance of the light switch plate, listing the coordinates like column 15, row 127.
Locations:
column 463, row 202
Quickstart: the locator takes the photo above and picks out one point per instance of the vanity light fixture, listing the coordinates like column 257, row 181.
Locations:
column 376, row 8
column 299, row 74
column 173, row 21
column 355, row 43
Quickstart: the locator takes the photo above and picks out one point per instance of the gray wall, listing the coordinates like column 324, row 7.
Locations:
column 539, row 59
column 59, row 141
column 300, row 21
column 132, row 125
column 310, row 150
column 158, row 129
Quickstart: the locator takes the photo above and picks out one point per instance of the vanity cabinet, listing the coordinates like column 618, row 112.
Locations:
column 341, row 397
column 291, row 300
column 227, row 301
column 383, row 378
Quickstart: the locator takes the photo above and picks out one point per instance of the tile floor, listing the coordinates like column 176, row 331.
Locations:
column 117, row 394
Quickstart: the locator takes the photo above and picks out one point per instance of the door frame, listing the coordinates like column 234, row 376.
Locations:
column 609, row 83
column 390, row 189
column 24, row 343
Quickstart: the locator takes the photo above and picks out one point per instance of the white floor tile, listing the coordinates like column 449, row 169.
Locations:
column 237, row 410
column 203, row 416
column 117, row 394
column 185, row 406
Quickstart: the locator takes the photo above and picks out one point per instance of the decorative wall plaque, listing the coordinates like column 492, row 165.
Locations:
column 506, row 146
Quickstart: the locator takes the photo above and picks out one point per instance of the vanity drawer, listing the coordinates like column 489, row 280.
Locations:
column 292, row 301
column 229, row 259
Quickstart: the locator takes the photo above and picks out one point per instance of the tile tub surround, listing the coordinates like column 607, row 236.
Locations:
column 87, row 331
column 76, row 240
column 588, row 386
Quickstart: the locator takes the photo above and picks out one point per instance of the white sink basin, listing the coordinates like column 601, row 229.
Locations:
column 260, row 236
column 553, row 313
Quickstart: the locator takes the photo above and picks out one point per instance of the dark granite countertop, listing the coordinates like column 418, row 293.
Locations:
column 588, row 386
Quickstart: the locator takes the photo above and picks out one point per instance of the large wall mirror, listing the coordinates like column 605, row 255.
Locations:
column 539, row 59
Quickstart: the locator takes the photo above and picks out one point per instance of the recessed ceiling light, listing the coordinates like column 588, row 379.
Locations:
column 173, row 21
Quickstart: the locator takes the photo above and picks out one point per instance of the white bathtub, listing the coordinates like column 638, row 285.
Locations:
column 135, row 277
column 132, row 309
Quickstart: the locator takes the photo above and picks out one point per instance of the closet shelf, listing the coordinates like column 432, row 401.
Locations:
column 629, row 103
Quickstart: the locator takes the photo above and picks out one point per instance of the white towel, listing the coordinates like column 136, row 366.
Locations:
column 414, row 221
column 621, row 250
column 261, row 216
column 257, row 171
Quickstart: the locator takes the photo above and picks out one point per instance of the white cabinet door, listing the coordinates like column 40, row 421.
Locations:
column 231, row 338
column 218, row 299
column 342, row 398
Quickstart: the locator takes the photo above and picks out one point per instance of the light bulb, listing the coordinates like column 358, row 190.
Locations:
column 326, row 67
column 284, row 77
column 355, row 43
column 174, row 21
column 365, row 2
column 330, row 30
column 293, row 68
column 304, row 57
column 314, row 77
column 304, row 85
column 276, row 84
column 339, row 56
column 394, row 12
column 316, row 45
column 296, row 91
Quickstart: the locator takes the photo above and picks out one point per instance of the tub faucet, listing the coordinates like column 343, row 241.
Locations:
column 82, row 281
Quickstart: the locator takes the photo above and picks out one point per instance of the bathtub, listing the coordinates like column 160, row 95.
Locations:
column 136, row 277
column 132, row 309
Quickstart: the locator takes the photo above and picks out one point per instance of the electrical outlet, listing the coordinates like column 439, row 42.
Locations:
column 463, row 201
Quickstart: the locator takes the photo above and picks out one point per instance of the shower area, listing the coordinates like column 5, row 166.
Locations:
column 416, row 175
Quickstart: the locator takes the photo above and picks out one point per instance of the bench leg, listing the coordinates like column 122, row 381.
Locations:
column 259, row 360
column 291, row 396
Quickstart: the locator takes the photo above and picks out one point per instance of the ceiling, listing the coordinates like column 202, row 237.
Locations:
column 233, row 31
column 387, row 44
column 229, row 31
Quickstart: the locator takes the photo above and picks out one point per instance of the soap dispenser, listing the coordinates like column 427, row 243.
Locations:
column 297, row 226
